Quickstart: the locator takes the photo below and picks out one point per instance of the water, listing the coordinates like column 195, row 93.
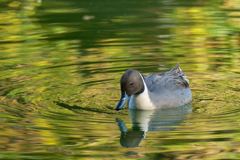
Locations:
column 60, row 64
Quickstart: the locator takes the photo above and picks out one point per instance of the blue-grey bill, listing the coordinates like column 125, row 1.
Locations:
column 122, row 102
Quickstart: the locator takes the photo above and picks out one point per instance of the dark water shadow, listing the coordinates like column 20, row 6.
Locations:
column 148, row 121
column 78, row 109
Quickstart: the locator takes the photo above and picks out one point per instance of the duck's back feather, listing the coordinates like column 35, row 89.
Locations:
column 173, row 79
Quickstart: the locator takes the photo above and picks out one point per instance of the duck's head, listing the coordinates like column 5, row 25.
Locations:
column 131, row 83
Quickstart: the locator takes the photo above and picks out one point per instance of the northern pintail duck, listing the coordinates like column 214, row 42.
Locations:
column 155, row 91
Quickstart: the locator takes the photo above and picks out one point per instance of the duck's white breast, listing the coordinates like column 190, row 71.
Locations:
column 142, row 101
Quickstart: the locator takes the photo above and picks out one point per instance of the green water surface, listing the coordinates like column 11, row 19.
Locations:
column 60, row 65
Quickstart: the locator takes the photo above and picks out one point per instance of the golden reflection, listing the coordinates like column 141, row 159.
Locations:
column 46, row 135
column 54, row 62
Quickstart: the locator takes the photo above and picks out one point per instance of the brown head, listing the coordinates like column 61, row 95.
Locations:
column 131, row 84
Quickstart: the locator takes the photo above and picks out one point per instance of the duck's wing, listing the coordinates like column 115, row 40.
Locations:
column 175, row 78
column 178, row 76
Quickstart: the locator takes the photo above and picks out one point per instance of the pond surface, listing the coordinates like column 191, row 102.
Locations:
column 60, row 65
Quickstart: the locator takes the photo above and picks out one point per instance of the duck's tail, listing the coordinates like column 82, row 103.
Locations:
column 179, row 75
column 177, row 69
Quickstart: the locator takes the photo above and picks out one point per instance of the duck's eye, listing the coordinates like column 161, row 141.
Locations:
column 131, row 83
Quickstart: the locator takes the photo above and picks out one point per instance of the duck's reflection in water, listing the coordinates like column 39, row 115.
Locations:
column 153, row 120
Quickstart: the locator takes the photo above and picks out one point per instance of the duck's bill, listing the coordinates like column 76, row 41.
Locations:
column 122, row 101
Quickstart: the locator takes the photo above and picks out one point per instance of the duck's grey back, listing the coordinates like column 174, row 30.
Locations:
column 169, row 88
column 170, row 80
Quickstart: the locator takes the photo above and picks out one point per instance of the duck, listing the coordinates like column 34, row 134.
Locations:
column 155, row 91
